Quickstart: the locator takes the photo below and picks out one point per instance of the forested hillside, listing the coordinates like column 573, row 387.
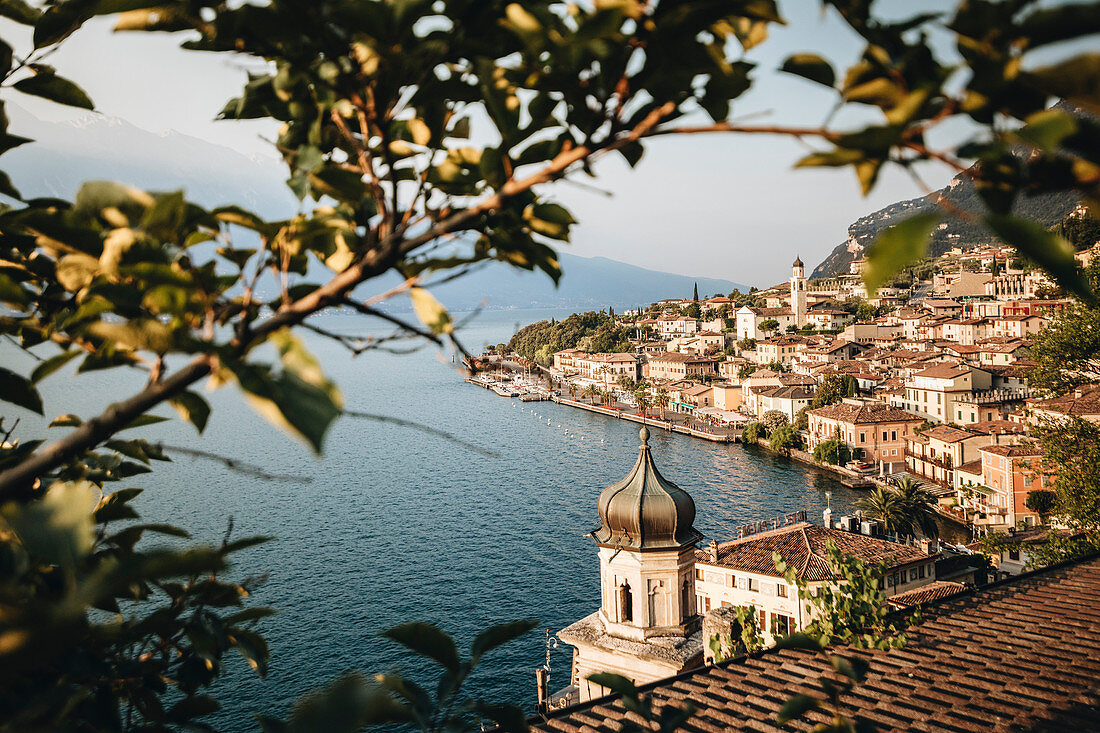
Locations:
column 593, row 331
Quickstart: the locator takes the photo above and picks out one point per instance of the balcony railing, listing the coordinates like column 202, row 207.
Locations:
column 994, row 396
column 942, row 463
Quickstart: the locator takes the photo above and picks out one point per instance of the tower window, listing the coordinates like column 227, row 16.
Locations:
column 626, row 603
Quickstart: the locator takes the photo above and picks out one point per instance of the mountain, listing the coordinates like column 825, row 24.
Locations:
column 1047, row 209
column 96, row 147
column 64, row 154
column 586, row 283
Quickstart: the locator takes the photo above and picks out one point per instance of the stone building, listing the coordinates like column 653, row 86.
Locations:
column 647, row 626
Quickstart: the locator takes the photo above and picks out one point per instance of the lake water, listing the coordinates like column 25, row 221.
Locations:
column 399, row 525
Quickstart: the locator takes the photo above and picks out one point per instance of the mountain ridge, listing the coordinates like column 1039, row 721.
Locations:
column 1046, row 209
column 95, row 147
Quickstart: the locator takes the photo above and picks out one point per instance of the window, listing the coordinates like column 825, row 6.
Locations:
column 763, row 621
column 698, row 573
column 920, row 572
column 754, row 584
column 706, row 604
column 781, row 590
column 781, row 625
column 1027, row 480
column 1013, row 554
column 884, row 435
column 893, row 435
column 741, row 583
column 862, row 438
column 626, row 603
column 912, row 574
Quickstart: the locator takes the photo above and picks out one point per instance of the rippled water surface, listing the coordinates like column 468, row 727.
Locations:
column 398, row 525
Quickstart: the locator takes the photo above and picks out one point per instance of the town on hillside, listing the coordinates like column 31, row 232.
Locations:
column 918, row 393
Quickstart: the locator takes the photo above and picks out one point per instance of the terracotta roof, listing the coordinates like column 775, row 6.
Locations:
column 926, row 593
column 974, row 468
column 948, row 434
column 677, row 357
column 803, row 547
column 863, row 413
column 1085, row 400
column 943, row 371
column 1012, row 451
column 1017, row 655
column 793, row 392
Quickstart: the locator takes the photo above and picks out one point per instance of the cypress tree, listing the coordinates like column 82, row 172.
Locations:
column 695, row 293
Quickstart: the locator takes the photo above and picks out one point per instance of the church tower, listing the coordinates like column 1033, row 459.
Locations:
column 648, row 626
column 798, row 292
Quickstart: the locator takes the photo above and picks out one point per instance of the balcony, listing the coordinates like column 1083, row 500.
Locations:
column 944, row 463
column 994, row 396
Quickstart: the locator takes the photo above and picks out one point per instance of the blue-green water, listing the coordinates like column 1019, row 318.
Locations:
column 398, row 525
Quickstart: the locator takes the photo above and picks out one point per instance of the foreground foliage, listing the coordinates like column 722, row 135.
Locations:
column 419, row 138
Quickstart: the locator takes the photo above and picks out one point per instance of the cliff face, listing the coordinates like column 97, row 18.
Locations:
column 1047, row 209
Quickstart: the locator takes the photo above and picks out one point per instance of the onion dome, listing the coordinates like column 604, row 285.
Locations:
column 646, row 511
column 797, row 261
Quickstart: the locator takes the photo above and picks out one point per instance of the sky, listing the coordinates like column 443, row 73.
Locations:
column 719, row 205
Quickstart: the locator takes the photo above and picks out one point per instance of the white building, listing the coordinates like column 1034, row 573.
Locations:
column 743, row 572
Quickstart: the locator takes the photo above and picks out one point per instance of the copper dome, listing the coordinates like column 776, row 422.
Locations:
column 646, row 511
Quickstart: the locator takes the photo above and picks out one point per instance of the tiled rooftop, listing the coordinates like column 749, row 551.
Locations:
column 803, row 547
column 1019, row 655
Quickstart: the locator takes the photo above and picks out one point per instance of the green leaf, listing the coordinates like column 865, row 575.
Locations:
column 55, row 89
column 19, row 391
column 58, row 528
column 8, row 188
column 252, row 647
column 1050, row 251
column 1076, row 80
column 345, row 706
column 810, row 66
column 427, row 641
column 192, row 408
column 1048, row 128
column 193, row 707
column 430, row 311
column 905, row 242
column 142, row 420
column 66, row 421
column 497, row 635
column 19, row 11
column 509, row 718
column 614, row 682
column 291, row 402
column 799, row 641
column 51, row 365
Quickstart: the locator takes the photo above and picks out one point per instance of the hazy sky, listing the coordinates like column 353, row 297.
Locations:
column 715, row 205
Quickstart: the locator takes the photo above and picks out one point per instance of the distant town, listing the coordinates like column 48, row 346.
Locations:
column 921, row 385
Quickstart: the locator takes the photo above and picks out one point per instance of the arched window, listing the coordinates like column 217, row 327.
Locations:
column 685, row 600
column 626, row 603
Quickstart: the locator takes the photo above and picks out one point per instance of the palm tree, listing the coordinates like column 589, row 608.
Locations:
column 572, row 390
column 662, row 400
column 590, row 391
column 885, row 505
column 919, row 507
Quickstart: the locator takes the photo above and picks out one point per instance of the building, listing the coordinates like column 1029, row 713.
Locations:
column 798, row 292
column 874, row 432
column 780, row 349
column 1018, row 655
column 931, row 393
column 1010, row 472
column 674, row 365
column 671, row 326
column 743, row 573
column 748, row 319
column 647, row 626
column 786, row 399
column 1082, row 402
column 935, row 453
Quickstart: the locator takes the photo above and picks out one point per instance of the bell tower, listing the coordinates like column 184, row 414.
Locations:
column 798, row 292
column 647, row 626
